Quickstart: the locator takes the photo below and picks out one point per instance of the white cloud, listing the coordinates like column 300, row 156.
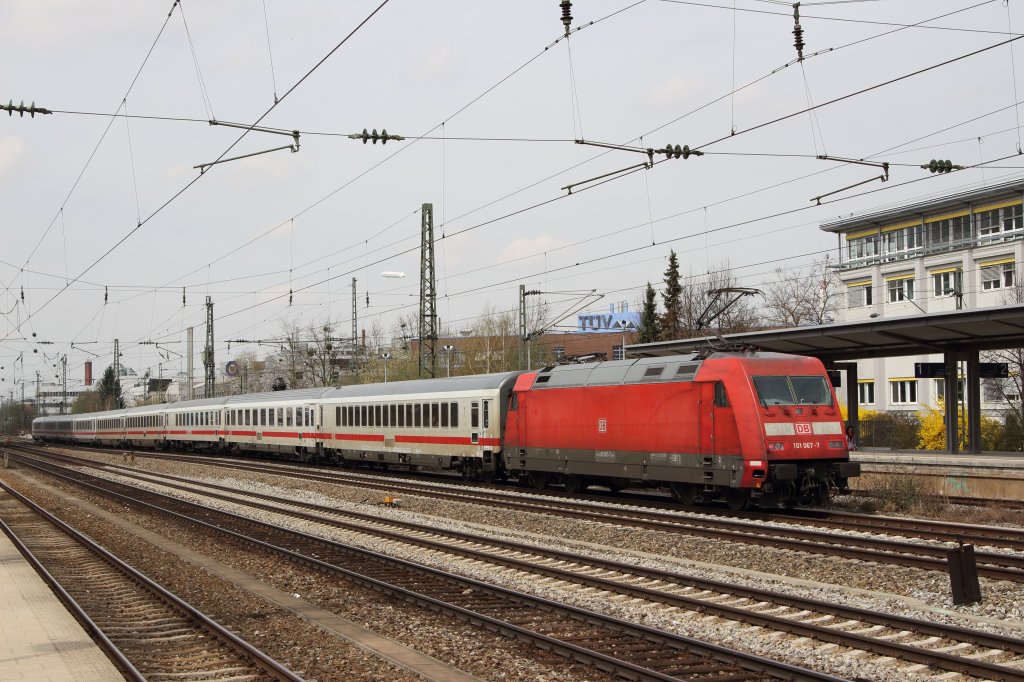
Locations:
column 437, row 62
column 11, row 152
column 520, row 248
column 672, row 91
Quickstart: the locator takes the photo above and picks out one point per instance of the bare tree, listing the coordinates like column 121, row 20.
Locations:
column 697, row 299
column 802, row 296
column 1008, row 392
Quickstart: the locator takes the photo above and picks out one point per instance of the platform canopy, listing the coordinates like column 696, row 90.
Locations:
column 947, row 332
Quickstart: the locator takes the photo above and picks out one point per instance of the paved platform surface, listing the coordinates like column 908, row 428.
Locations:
column 988, row 460
column 39, row 639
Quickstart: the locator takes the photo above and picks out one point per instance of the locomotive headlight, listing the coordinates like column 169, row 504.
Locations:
column 776, row 445
column 836, row 444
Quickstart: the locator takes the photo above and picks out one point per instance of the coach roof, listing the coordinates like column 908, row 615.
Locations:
column 475, row 382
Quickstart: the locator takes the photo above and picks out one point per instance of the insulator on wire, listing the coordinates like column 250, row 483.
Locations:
column 940, row 166
column 289, row 297
column 183, row 297
column 383, row 136
column 566, row 6
column 674, row 152
column 106, row 295
column 21, row 109
column 798, row 33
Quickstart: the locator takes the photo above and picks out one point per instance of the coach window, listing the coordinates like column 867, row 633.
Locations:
column 721, row 399
column 455, row 415
column 388, row 412
column 376, row 416
column 416, row 420
column 444, row 415
column 392, row 409
column 408, row 416
column 435, row 419
column 401, row 416
column 288, row 418
column 474, row 416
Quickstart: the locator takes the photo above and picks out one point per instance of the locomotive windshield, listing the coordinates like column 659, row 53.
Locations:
column 784, row 390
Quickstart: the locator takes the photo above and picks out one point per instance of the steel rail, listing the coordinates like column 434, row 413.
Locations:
column 240, row 646
column 281, row 539
column 925, row 656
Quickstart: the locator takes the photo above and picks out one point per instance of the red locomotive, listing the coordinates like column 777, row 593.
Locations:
column 735, row 426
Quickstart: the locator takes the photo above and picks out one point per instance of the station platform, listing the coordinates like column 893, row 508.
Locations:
column 39, row 639
column 989, row 476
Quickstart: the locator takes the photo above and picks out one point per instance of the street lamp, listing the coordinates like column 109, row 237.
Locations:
column 448, row 350
column 624, row 325
column 385, row 357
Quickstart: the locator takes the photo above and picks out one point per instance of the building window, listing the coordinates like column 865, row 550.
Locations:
column 903, row 391
column 940, row 390
column 901, row 290
column 866, row 392
column 998, row 275
column 859, row 295
column 558, row 352
column 617, row 353
column 947, row 283
column 864, row 247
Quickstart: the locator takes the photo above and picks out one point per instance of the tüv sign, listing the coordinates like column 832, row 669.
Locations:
column 608, row 322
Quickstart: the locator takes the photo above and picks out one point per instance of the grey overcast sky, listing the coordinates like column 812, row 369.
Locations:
column 497, row 95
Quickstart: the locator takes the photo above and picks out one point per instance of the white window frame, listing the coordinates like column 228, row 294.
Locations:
column 900, row 290
column 946, row 284
column 859, row 296
column 903, row 391
column 866, row 392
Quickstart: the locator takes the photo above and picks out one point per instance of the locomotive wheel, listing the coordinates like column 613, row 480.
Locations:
column 537, row 480
column 574, row 484
column 684, row 493
column 736, row 499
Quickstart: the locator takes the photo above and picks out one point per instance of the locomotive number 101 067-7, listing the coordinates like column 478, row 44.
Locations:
column 807, row 445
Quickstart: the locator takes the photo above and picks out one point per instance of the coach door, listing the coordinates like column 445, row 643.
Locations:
column 706, row 418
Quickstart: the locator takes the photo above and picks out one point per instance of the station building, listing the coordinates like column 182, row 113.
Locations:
column 957, row 252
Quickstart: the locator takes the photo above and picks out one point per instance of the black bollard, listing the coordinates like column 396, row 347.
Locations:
column 963, row 574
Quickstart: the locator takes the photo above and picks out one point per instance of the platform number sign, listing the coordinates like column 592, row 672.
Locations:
column 803, row 429
column 602, row 425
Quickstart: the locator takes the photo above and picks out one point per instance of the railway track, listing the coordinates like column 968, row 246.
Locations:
column 907, row 639
column 942, row 531
column 784, row 534
column 148, row 632
column 915, row 641
column 627, row 648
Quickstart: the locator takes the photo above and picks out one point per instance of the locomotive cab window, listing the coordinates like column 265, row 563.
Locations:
column 782, row 390
column 721, row 398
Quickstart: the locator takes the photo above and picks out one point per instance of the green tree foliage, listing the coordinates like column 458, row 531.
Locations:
column 933, row 431
column 109, row 390
column 650, row 325
column 672, row 318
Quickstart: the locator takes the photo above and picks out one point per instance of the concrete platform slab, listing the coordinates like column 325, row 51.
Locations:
column 39, row 639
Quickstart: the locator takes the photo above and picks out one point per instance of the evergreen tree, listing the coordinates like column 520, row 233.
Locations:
column 109, row 390
column 650, row 325
column 671, row 319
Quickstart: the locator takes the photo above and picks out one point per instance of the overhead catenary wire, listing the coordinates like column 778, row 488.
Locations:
column 189, row 184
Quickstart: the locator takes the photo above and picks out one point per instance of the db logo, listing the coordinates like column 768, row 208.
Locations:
column 803, row 429
column 602, row 425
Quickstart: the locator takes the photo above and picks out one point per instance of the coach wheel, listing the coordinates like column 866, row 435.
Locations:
column 537, row 480
column 737, row 499
column 684, row 493
column 574, row 484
